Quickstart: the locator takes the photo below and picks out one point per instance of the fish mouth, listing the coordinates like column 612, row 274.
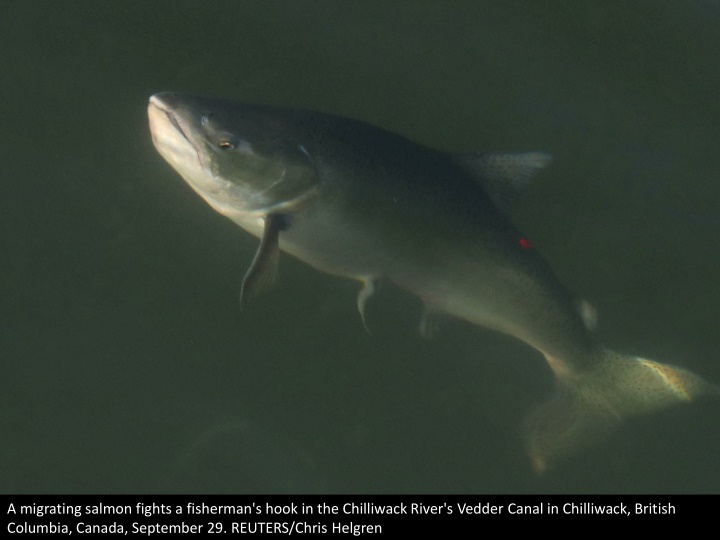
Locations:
column 163, row 117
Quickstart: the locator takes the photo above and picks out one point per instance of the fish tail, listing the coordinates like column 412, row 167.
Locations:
column 587, row 407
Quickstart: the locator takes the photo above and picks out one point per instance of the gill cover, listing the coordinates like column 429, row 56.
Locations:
column 264, row 171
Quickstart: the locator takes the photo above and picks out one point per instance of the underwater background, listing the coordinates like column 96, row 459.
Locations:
column 127, row 365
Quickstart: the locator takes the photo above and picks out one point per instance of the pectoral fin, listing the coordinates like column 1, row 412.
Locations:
column 263, row 270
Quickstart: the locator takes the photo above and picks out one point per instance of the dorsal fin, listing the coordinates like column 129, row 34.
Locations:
column 504, row 176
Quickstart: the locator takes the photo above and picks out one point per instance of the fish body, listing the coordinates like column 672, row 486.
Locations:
column 359, row 202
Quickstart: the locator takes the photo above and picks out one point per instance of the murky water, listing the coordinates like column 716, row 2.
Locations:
column 127, row 365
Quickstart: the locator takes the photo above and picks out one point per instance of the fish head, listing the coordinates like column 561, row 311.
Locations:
column 242, row 159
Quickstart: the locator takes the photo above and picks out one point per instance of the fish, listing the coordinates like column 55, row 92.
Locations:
column 359, row 202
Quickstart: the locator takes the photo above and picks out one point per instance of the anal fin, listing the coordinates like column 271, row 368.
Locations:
column 370, row 284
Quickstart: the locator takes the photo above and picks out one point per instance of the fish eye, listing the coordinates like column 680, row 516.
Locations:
column 226, row 145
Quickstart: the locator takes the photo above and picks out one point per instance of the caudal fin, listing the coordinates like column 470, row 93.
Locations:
column 588, row 406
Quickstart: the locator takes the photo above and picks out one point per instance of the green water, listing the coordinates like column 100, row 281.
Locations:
column 126, row 363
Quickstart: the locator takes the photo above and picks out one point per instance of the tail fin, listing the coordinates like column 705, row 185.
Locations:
column 588, row 406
